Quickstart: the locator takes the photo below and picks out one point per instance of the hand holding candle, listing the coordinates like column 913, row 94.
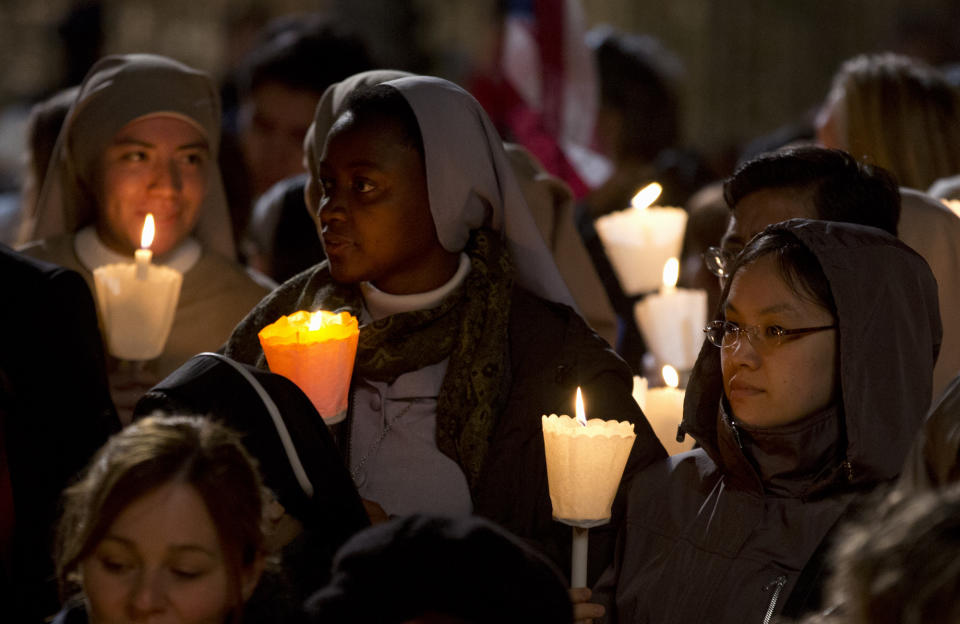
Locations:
column 585, row 461
column 316, row 351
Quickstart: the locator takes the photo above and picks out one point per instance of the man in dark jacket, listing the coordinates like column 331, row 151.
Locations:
column 819, row 183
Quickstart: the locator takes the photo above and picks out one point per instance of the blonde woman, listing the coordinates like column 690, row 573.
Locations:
column 896, row 112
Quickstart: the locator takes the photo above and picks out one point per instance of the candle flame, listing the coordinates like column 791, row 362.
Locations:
column 581, row 413
column 320, row 319
column 646, row 196
column 670, row 376
column 146, row 236
column 671, row 272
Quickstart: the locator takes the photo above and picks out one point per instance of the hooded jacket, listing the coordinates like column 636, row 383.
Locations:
column 725, row 533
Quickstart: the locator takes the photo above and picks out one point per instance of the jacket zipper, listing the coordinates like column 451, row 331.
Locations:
column 779, row 582
column 736, row 431
column 849, row 468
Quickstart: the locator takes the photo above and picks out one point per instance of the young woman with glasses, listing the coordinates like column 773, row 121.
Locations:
column 812, row 382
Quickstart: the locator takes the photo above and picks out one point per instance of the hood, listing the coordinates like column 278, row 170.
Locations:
column 889, row 337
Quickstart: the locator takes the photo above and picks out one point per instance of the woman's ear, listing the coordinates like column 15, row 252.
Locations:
column 250, row 576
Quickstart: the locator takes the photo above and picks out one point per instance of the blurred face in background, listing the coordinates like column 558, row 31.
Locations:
column 159, row 165
column 762, row 208
column 273, row 121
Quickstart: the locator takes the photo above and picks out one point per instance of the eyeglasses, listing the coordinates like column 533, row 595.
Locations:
column 718, row 261
column 726, row 335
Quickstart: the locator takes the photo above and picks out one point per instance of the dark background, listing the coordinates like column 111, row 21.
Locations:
column 750, row 65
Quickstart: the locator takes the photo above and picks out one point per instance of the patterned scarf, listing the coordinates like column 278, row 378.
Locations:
column 469, row 327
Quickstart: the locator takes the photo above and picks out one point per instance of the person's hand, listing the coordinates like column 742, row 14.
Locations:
column 584, row 612
column 375, row 512
column 282, row 528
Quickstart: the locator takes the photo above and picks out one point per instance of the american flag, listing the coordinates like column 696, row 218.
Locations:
column 544, row 94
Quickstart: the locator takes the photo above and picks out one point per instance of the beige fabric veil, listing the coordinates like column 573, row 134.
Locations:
column 469, row 176
column 116, row 91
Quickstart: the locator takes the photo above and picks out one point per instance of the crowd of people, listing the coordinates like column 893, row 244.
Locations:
column 199, row 486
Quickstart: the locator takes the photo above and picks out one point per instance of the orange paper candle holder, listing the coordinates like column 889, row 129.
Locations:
column 316, row 351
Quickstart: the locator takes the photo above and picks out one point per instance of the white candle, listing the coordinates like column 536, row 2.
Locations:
column 578, row 557
column 663, row 408
column 672, row 320
column 640, row 239
column 143, row 256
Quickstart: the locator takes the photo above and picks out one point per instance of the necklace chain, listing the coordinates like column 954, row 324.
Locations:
column 375, row 445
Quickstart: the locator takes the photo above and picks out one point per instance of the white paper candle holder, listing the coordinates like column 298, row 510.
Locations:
column 663, row 408
column 639, row 242
column 584, row 466
column 137, row 313
column 672, row 325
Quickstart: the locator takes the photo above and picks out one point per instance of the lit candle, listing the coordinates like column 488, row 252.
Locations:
column 585, row 461
column 143, row 255
column 639, row 240
column 671, row 321
column 663, row 408
column 138, row 301
column 316, row 351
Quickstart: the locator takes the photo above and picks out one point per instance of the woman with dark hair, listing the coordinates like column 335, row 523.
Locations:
column 466, row 335
column 166, row 522
column 812, row 382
